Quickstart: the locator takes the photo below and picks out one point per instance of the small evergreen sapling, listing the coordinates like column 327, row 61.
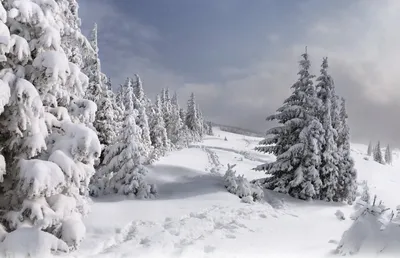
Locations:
column 378, row 154
column 388, row 155
column 370, row 149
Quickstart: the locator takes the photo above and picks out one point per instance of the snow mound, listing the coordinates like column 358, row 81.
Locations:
column 40, row 178
column 31, row 242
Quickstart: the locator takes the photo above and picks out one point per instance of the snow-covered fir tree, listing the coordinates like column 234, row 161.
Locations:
column 377, row 154
column 158, row 133
column 347, row 180
column 329, row 170
column 370, row 149
column 296, row 142
column 388, row 155
column 142, row 119
column 176, row 125
column 192, row 119
column 105, row 122
column 201, row 121
column 123, row 171
column 93, row 68
column 49, row 156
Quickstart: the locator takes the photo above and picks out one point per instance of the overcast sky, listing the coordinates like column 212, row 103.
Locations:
column 240, row 57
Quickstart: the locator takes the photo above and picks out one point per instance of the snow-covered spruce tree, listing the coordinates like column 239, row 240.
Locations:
column 123, row 171
column 167, row 112
column 347, row 180
column 158, row 133
column 142, row 119
column 296, row 142
column 176, row 125
column 99, row 93
column 192, row 121
column 201, row 122
column 378, row 153
column 370, row 149
column 209, row 129
column 49, row 158
column 328, row 170
column 93, row 68
column 388, row 155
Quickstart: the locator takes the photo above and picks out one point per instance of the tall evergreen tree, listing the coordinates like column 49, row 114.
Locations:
column 142, row 119
column 378, row 153
column 49, row 158
column 388, row 155
column 370, row 149
column 347, row 180
column 296, row 142
column 329, row 170
column 177, row 130
column 158, row 134
column 100, row 92
column 93, row 68
column 192, row 118
column 123, row 169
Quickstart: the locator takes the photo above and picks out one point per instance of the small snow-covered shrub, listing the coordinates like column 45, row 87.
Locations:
column 241, row 187
column 340, row 215
column 367, row 231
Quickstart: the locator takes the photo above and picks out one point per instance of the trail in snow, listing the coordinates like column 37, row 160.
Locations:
column 194, row 233
column 194, row 215
column 245, row 154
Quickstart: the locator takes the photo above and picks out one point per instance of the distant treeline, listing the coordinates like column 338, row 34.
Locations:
column 238, row 130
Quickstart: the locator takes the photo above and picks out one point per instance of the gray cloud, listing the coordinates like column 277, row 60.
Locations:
column 360, row 39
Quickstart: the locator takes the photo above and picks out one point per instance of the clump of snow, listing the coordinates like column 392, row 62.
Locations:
column 61, row 113
column 4, row 95
column 84, row 110
column 39, row 178
column 4, row 41
column 77, row 79
column 241, row 187
column 73, row 230
column 54, row 63
column 19, row 47
column 50, row 38
column 26, row 12
column 62, row 205
column 2, row 168
column 31, row 242
column 340, row 215
column 67, row 165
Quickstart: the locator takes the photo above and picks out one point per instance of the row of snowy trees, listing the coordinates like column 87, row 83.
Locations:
column 311, row 143
column 146, row 131
column 376, row 153
column 61, row 124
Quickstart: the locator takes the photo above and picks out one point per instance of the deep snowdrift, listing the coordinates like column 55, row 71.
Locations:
column 195, row 216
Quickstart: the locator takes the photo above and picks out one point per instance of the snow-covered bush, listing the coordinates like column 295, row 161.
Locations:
column 367, row 233
column 340, row 215
column 241, row 187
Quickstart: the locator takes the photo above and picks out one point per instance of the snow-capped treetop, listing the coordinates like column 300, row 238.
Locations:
column 93, row 39
column 138, row 88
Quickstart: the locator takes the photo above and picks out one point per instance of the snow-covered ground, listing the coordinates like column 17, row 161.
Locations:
column 194, row 215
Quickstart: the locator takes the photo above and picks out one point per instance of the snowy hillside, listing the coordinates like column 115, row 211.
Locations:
column 194, row 215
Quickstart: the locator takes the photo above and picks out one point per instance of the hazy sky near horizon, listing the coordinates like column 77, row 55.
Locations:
column 241, row 57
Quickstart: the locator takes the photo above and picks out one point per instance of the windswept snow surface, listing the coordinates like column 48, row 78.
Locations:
column 195, row 216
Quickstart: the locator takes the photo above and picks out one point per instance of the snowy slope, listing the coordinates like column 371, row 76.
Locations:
column 194, row 216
